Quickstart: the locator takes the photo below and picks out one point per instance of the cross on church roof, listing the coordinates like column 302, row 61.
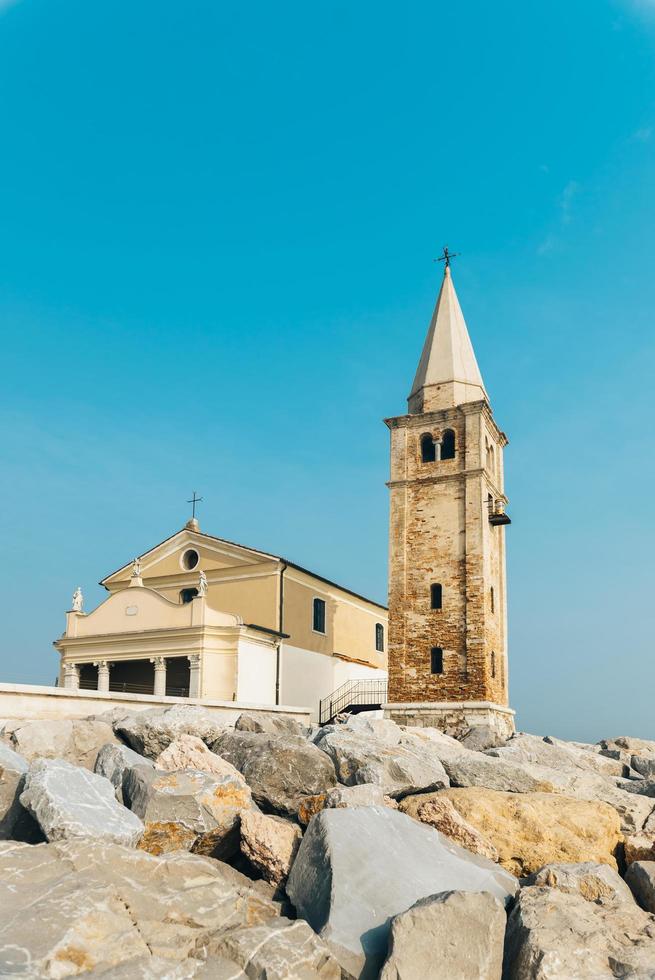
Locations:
column 447, row 256
column 194, row 500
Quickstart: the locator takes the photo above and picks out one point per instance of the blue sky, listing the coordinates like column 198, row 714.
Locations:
column 217, row 226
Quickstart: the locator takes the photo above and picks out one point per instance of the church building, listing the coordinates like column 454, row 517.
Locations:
column 447, row 587
column 201, row 617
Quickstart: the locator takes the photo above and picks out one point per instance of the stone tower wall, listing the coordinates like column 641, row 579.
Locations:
column 440, row 533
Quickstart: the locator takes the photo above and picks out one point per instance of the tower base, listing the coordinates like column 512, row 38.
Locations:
column 452, row 717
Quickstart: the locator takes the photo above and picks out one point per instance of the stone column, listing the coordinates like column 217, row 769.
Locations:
column 194, row 675
column 103, row 674
column 71, row 677
column 437, row 449
column 160, row 676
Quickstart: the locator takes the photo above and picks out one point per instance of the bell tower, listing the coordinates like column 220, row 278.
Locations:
column 447, row 586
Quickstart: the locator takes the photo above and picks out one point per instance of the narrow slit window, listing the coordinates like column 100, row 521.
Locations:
column 436, row 596
column 436, row 660
column 493, row 664
column 379, row 637
column 493, row 599
column 318, row 618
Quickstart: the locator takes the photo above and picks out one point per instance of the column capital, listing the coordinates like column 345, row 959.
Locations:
column 194, row 659
column 159, row 662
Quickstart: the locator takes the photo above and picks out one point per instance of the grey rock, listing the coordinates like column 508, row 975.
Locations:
column 270, row 724
column 356, row 868
column 442, row 745
column 644, row 765
column 594, row 882
column 640, row 878
column 281, row 770
column 366, row 723
column 114, row 760
column 12, row 776
column 451, row 935
column 642, row 787
column 105, row 907
column 477, row 769
column 159, row 968
column 175, row 806
column 555, row 754
column 633, row 746
column 482, row 737
column 279, row 950
column 67, row 801
column 150, row 732
column 397, row 769
column 77, row 741
column 365, row 794
column 554, row 935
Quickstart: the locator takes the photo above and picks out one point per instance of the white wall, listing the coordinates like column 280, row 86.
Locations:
column 35, row 701
column 306, row 677
column 256, row 670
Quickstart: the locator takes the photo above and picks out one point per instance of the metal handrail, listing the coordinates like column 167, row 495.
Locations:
column 366, row 692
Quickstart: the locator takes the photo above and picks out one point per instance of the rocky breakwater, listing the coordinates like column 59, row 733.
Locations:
column 160, row 845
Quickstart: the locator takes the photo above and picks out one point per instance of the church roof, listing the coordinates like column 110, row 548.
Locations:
column 255, row 551
column 448, row 352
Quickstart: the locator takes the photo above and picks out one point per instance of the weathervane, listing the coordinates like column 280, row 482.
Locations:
column 194, row 500
column 447, row 256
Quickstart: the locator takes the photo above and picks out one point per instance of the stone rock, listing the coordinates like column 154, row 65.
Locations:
column 270, row 844
column 482, row 737
column 639, row 847
column 452, row 935
column 625, row 743
column 309, row 806
column 594, row 882
column 640, row 878
column 477, row 769
column 281, row 949
column 100, row 906
column 69, row 802
column 555, row 754
column 442, row 745
column 281, row 770
column 356, row 868
column 150, row 732
column 554, row 935
column 270, row 724
column 644, row 765
column 365, row 794
column 530, row 830
column 12, row 776
column 397, row 769
column 77, row 741
column 158, row 968
column 113, row 761
column 176, row 805
column 366, row 723
column 190, row 752
column 437, row 811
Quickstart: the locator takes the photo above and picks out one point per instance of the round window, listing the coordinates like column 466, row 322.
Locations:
column 190, row 559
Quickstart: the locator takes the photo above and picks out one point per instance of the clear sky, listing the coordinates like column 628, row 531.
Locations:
column 217, row 226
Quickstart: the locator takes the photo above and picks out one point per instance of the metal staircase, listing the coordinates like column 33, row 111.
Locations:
column 353, row 696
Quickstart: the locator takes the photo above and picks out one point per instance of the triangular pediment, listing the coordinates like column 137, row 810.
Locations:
column 168, row 557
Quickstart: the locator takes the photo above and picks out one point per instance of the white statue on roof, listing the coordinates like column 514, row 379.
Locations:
column 78, row 600
column 136, row 568
column 202, row 584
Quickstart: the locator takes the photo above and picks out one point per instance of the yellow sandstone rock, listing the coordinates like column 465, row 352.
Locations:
column 532, row 829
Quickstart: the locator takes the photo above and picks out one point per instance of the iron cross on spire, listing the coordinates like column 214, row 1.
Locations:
column 447, row 256
column 194, row 500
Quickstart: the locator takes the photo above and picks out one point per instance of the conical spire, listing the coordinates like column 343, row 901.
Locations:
column 448, row 373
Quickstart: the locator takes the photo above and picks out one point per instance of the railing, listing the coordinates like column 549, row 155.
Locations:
column 357, row 695
column 121, row 688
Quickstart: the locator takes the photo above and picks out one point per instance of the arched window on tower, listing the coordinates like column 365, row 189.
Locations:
column 428, row 454
column 448, row 444
column 188, row 595
column 490, row 459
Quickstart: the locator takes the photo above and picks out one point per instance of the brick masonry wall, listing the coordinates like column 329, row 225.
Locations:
column 440, row 533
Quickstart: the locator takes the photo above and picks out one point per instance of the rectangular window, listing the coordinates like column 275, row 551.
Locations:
column 436, row 660
column 318, row 618
column 436, row 596
column 379, row 637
